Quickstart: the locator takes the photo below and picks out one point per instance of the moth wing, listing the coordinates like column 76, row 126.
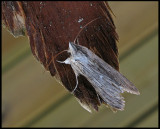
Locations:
column 108, row 82
column 115, row 76
column 109, row 92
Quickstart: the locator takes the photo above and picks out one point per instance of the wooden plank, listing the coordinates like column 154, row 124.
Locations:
column 146, row 115
column 134, row 21
column 22, row 93
column 10, row 43
column 13, row 50
column 28, row 77
column 144, row 73
column 151, row 121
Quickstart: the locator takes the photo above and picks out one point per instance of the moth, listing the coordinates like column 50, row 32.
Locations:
column 107, row 82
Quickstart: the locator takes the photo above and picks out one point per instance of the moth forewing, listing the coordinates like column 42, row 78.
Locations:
column 108, row 82
column 104, row 68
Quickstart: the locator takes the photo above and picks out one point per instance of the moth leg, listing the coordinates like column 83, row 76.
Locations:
column 60, row 61
column 67, row 61
column 98, row 99
column 76, row 83
column 77, row 41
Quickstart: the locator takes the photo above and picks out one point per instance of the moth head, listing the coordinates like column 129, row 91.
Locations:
column 72, row 48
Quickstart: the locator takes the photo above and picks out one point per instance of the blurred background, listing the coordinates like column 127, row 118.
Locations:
column 32, row 98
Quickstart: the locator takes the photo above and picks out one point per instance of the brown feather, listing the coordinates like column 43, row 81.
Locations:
column 50, row 27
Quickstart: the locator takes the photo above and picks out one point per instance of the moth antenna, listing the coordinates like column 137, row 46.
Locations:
column 84, row 27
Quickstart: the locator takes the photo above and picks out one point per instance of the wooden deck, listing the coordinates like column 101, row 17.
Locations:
column 32, row 98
